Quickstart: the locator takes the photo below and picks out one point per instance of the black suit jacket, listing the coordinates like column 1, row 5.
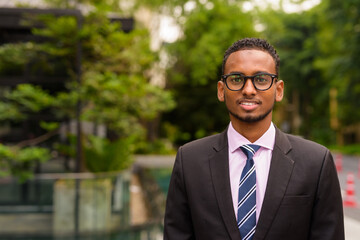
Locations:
column 302, row 198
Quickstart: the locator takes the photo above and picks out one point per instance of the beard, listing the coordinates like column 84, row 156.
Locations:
column 251, row 119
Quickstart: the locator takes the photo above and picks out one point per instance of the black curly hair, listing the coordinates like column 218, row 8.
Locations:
column 252, row 43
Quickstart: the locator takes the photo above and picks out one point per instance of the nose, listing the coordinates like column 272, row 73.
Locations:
column 249, row 88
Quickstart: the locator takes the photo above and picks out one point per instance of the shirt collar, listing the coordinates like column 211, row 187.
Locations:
column 235, row 139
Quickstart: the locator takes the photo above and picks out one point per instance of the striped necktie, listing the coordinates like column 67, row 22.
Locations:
column 247, row 195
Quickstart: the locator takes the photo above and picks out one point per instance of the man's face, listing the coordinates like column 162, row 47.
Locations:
column 250, row 105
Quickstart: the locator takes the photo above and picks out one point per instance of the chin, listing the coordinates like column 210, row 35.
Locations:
column 250, row 119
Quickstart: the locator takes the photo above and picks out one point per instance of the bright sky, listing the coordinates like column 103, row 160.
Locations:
column 12, row 3
column 288, row 6
column 169, row 31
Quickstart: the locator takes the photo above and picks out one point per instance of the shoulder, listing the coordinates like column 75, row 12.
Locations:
column 193, row 156
column 300, row 148
column 308, row 156
column 208, row 143
column 298, row 142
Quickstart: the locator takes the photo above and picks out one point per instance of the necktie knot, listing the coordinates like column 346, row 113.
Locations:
column 249, row 150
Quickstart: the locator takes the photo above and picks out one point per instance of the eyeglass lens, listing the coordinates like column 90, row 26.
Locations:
column 261, row 81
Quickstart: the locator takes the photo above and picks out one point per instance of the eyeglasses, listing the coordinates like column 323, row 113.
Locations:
column 261, row 81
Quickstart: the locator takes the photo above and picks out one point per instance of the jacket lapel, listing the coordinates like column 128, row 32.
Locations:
column 279, row 175
column 219, row 167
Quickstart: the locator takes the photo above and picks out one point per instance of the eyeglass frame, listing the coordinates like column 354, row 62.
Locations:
column 252, row 78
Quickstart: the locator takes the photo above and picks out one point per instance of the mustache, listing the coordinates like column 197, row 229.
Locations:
column 257, row 101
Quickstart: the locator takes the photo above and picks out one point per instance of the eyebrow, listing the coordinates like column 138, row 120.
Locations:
column 256, row 73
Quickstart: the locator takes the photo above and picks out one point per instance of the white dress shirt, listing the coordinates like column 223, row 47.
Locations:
column 262, row 159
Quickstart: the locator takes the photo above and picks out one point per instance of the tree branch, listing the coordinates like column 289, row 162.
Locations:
column 37, row 140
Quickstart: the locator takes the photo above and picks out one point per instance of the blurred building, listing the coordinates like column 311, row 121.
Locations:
column 13, row 30
column 28, row 207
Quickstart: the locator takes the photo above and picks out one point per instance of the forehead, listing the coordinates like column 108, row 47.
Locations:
column 250, row 61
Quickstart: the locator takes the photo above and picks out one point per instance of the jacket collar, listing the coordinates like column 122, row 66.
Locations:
column 279, row 176
column 219, row 168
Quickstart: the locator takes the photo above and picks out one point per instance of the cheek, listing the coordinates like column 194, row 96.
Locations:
column 228, row 96
column 229, row 99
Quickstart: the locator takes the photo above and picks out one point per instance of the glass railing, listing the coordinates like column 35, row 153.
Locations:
column 64, row 205
column 81, row 206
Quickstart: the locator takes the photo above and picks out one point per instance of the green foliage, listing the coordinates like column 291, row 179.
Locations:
column 114, row 88
column 115, row 81
column 339, row 37
column 123, row 100
column 26, row 99
column 318, row 50
column 9, row 111
column 59, row 30
column 49, row 126
column 30, row 97
column 69, row 149
column 19, row 162
column 351, row 149
column 105, row 6
column 208, row 32
column 299, row 49
column 14, row 57
column 158, row 146
column 104, row 156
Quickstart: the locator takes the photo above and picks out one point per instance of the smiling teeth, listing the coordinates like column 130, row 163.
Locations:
column 248, row 103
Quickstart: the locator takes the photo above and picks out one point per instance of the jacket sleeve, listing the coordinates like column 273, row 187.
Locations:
column 178, row 222
column 327, row 219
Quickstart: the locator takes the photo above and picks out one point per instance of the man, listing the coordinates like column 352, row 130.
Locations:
column 253, row 181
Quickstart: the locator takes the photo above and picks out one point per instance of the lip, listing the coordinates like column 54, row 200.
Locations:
column 248, row 105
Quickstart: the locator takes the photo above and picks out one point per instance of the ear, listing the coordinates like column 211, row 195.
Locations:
column 279, row 90
column 220, row 91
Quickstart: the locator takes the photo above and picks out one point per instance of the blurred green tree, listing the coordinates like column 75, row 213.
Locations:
column 319, row 51
column 114, row 88
column 339, row 58
column 307, row 92
column 208, row 30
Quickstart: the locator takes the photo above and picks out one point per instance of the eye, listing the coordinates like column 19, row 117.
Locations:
column 262, row 79
column 235, row 79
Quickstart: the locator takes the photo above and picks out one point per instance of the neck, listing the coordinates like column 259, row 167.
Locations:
column 251, row 131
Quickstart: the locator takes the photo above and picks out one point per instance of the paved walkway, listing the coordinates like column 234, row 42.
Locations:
column 138, row 208
column 352, row 229
column 351, row 164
